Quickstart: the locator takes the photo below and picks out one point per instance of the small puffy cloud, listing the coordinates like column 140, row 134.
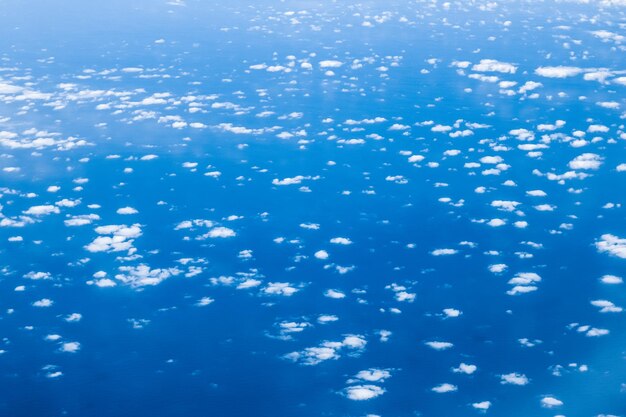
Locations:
column 74, row 317
column 443, row 388
column 522, row 289
column 452, row 312
column 611, row 279
column 549, row 402
column 67, row 203
column 221, row 232
column 70, row 347
column 514, row 379
column 248, row 283
column 612, row 245
column 44, row 302
column 115, row 238
column 328, row 350
column 341, row 241
column 373, row 375
column 280, row 288
column 491, row 65
column 363, row 392
column 105, row 283
column 127, row 210
column 37, row 275
column 321, row 254
column 496, row 222
column 536, row 193
column 483, row 405
column 464, row 368
column 81, row 220
column 586, row 161
column 327, row 318
column 445, row 251
column 505, row 205
column 289, row 181
column 491, row 160
column 523, row 283
column 204, row 301
column 497, row 268
column 437, row 345
column 525, row 278
column 544, row 207
column 330, row 64
column 558, row 72
column 334, row 294
column 42, row 210
column 142, row 275
column 595, row 332
column 606, row 306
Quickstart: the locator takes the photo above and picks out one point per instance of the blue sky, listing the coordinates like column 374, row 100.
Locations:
column 312, row 208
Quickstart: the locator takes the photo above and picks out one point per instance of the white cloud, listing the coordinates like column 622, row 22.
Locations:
column 330, row 64
column 497, row 268
column 437, row 345
column 289, row 181
column 464, row 368
column 613, row 245
column 550, row 402
column 611, row 279
column 496, row 222
column 127, row 210
column 221, row 232
column 452, row 312
column 142, row 275
column 544, row 207
column 280, row 288
column 67, row 203
column 321, row 254
column 334, row 294
column 70, row 347
column 327, row 350
column 558, row 72
column 363, row 392
column 606, row 306
column 121, row 239
column 443, row 388
column 525, row 278
column 44, row 302
column 248, row 283
column 204, row 301
column 491, row 65
column 514, row 379
column 491, row 159
column 483, row 405
column 9, row 89
column 536, row 193
column 42, row 210
column 327, row 318
column 522, row 289
column 505, row 205
column 37, row 275
column 105, row 283
column 595, row 332
column 81, row 220
column 74, row 317
column 341, row 241
column 586, row 161
column 441, row 252
column 373, row 375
